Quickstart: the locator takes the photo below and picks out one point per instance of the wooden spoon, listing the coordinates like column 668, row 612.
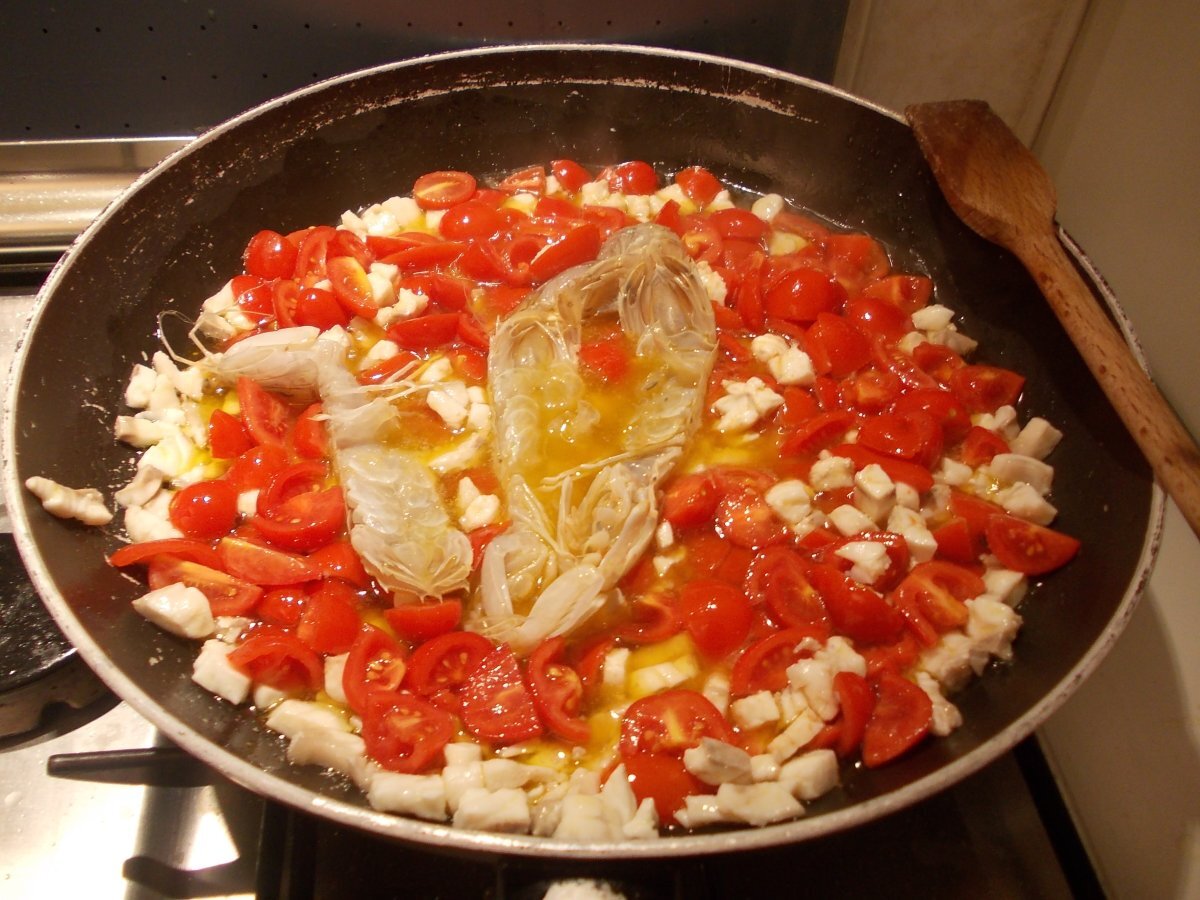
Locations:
column 998, row 188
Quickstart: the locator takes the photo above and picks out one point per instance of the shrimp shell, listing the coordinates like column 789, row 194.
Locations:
column 592, row 520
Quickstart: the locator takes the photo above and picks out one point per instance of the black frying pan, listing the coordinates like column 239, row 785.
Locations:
column 178, row 234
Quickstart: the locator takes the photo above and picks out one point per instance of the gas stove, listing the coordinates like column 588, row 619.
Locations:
column 97, row 802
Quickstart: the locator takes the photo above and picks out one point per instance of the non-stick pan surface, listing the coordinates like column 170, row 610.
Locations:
column 178, row 234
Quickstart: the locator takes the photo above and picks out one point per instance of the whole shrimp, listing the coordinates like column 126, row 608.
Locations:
column 581, row 480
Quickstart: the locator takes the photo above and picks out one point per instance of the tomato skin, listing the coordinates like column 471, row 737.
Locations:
column 330, row 623
column 404, row 733
column 745, row 519
column 980, row 445
column 304, row 522
column 1028, row 548
column 254, row 469
column 803, row 294
column 937, row 589
column 738, row 224
column 227, row 436
column 578, row 245
column 698, row 184
column 879, row 316
column 691, row 500
column 265, row 416
column 777, row 580
column 338, row 559
column 763, row 665
column 351, row 287
column 856, row 700
column 282, row 606
column 444, row 662
column 227, row 595
column 914, row 436
column 984, row 389
column 375, row 663
column 908, row 293
column 608, row 358
column 262, row 565
column 670, row 722
column 531, row 180
column 424, row 620
column 716, row 615
column 279, row 660
column 571, row 176
column 205, row 510
column 557, row 691
column 309, row 438
column 470, row 220
column 443, row 189
column 837, row 345
column 817, row 433
column 653, row 618
column 425, row 332
column 496, row 703
column 857, row 611
column 899, row 721
column 270, row 255
column 663, row 779
column 633, row 177
column 944, row 406
column 183, row 548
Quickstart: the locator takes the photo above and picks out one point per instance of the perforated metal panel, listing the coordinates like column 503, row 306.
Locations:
column 106, row 68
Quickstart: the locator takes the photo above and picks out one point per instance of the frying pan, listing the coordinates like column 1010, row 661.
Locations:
column 178, row 234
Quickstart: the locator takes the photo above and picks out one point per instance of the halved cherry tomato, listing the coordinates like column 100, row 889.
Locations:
column 700, row 239
column 856, row 259
column 389, row 369
column 652, row 618
column 699, row 184
column 984, row 389
column 803, row 294
column 444, row 662
column 557, row 691
column 938, row 360
column 663, row 779
column 879, row 317
column 980, row 445
column 570, row 175
column 351, row 286
column 763, row 665
column 298, row 478
column 428, row 257
column 956, row 542
column 314, row 248
column 856, row 701
column 817, row 433
column 670, row 722
column 496, row 703
column 738, row 224
column 265, row 416
column 279, row 660
column 423, row 620
column 898, row 554
column 205, row 510
column 184, row 548
column 690, row 500
column 837, row 345
column 330, row 622
column 910, row 473
column 442, row 190
column 633, row 177
column 578, row 245
column 270, row 255
column 870, row 391
column 908, row 293
column 404, row 733
column 531, row 180
column 227, row 595
column 856, row 610
column 471, row 220
column 915, row 436
column 227, row 436
column 375, row 663
column 255, row 468
column 899, row 721
column 304, row 522
column 744, row 518
column 263, row 565
column 337, row 559
column 937, row 589
column 1029, row 548
column 777, row 579
column 309, row 438
column 943, row 405
column 425, row 332
column 717, row 615
column 282, row 606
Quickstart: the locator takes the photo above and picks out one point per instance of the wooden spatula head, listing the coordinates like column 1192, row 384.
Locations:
column 991, row 180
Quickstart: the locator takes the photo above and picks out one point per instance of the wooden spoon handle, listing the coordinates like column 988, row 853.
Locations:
column 1169, row 448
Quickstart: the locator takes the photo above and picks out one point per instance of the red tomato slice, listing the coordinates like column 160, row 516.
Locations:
column 955, row 541
column 738, row 224
column 279, row 660
column 912, row 474
column 980, row 445
column 939, row 361
column 570, row 175
column 899, row 721
column 663, row 779
column 375, row 663
column 699, row 184
column 816, row 433
column 227, row 596
column 802, row 294
column 908, row 293
column 634, row 177
column 304, row 522
column 472, row 220
column 425, row 332
column 337, row 559
column 423, row 620
column 856, row 259
column 746, row 520
column 444, row 662
column 856, row 701
column 270, row 255
column 578, row 245
column 716, row 615
column 263, row 565
column 282, row 606
column 442, row 190
column 879, row 317
column 330, row 621
column 265, row 416
column 254, row 469
column 671, row 722
column 227, row 436
column 184, row 548
column 915, row 436
column 481, row 537
column 557, row 691
column 837, row 345
column 351, row 286
column 937, row 589
column 205, row 510
column 607, row 359
column 899, row 556
column 777, row 579
column 856, row 611
column 296, row 479
column 531, row 181
column 318, row 307
column 496, row 703
column 700, row 239
column 427, row 257
column 1029, row 548
column 870, row 391
column 310, row 259
column 763, row 665
column 309, row 438
column 690, row 500
column 403, row 733
column 944, row 406
column 652, row 618
column 986, row 388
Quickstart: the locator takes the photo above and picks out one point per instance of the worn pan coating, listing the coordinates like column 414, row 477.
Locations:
column 179, row 233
